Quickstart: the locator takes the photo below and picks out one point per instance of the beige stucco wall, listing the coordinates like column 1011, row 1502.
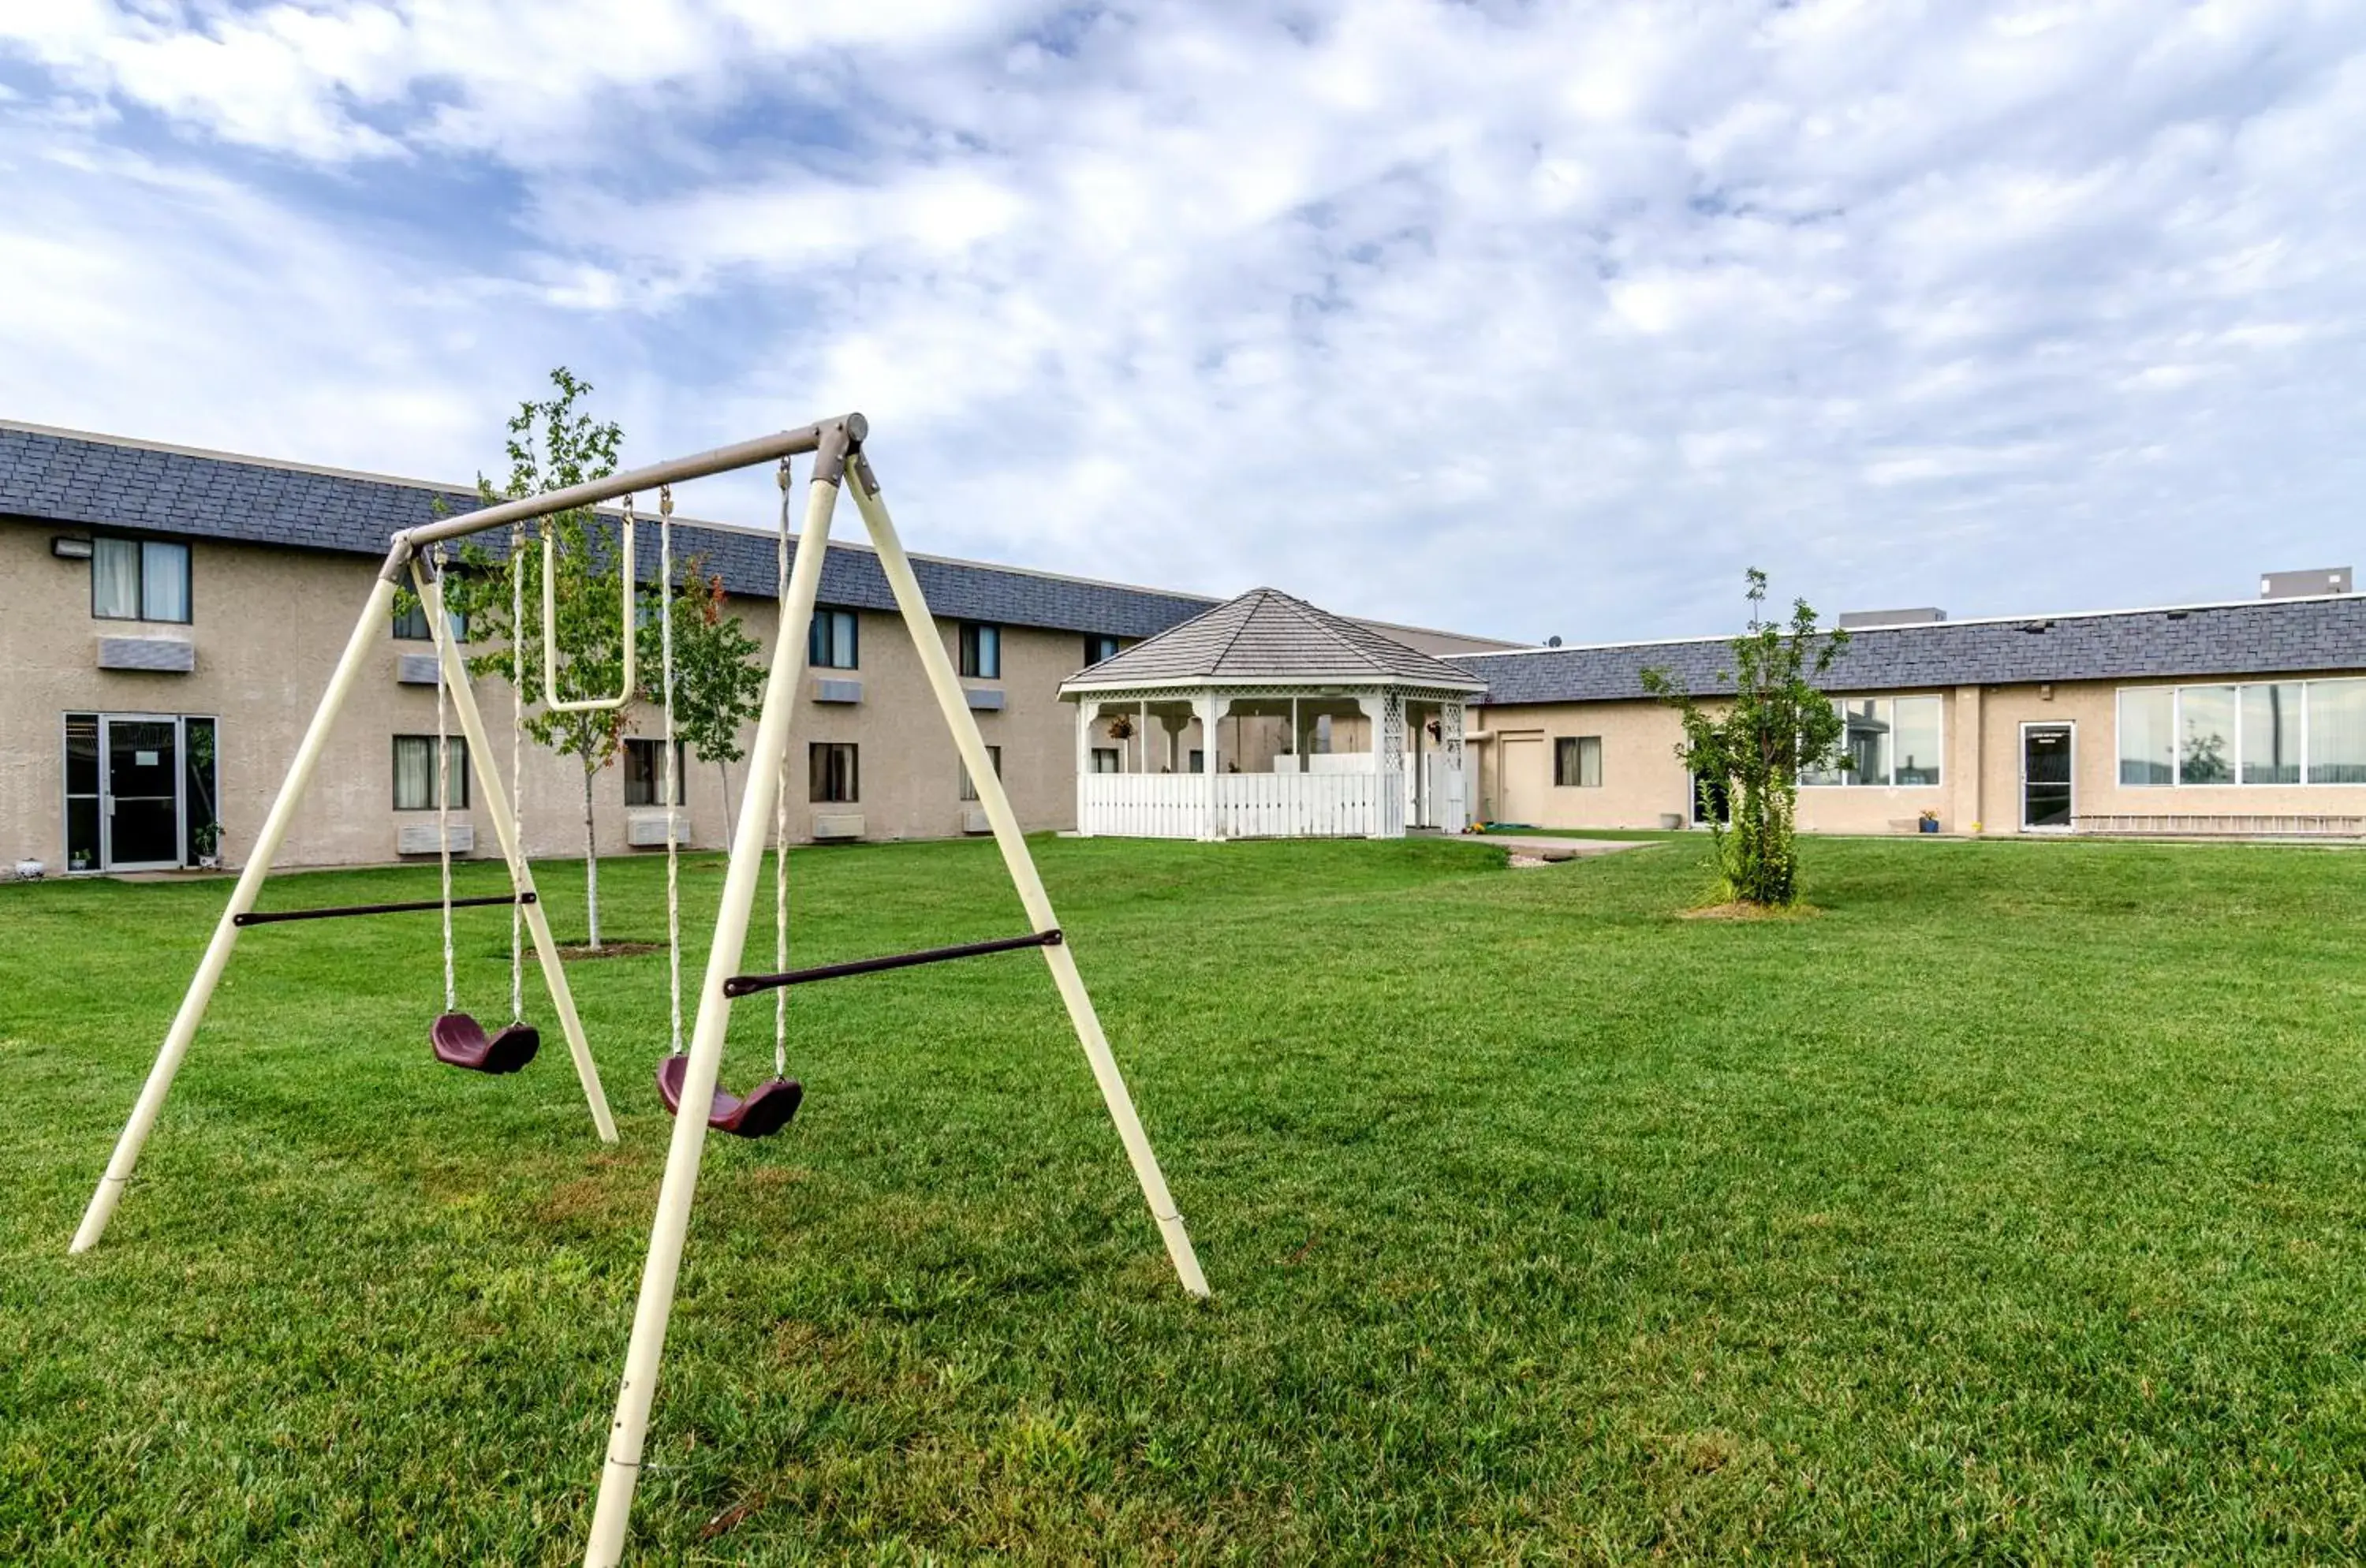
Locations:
column 1980, row 783
column 268, row 624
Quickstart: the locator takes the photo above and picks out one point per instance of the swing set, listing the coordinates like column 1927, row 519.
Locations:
column 687, row 1076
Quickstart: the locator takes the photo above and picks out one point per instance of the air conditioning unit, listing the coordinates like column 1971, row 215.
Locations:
column 419, row 839
column 415, row 669
column 158, row 655
column 835, row 688
column 838, row 825
column 975, row 820
column 646, row 829
column 986, row 699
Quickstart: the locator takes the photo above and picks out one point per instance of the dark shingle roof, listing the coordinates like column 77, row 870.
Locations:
column 56, row 476
column 1266, row 635
column 2254, row 637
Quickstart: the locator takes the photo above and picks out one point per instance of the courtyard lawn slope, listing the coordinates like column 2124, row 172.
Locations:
column 2008, row 1209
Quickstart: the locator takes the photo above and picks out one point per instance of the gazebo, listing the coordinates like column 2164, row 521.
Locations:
column 1267, row 717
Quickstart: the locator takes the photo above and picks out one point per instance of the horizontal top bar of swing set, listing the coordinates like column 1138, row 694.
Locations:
column 723, row 460
column 748, row 985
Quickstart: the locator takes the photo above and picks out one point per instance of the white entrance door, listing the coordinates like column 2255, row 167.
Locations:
column 139, row 797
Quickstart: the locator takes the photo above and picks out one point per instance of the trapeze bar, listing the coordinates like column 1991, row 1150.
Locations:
column 254, row 917
column 748, row 985
column 763, row 449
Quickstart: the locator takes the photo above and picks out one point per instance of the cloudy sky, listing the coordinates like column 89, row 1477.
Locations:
column 1523, row 319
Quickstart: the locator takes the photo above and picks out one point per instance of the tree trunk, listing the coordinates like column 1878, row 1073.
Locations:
column 730, row 828
column 590, row 867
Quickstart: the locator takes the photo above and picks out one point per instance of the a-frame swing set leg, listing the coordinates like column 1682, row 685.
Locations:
column 833, row 462
column 367, row 630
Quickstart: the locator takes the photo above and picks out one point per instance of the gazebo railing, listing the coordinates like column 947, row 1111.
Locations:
column 1242, row 805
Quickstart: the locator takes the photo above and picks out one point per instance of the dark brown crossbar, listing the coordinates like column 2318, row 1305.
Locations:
column 748, row 985
column 275, row 916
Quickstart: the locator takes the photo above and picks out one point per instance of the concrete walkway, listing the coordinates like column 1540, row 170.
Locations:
column 1547, row 846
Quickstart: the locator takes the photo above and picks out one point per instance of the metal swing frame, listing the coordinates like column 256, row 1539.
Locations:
column 836, row 447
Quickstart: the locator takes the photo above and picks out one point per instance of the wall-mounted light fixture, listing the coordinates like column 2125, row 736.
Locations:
column 68, row 546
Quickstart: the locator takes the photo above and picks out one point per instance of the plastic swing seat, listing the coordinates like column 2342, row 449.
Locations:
column 767, row 1108
column 461, row 1042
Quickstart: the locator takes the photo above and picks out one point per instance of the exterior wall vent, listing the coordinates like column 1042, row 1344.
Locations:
column 419, row 837
column 1865, row 620
column 156, row 654
column 988, row 699
column 838, row 825
column 416, row 670
column 832, row 689
column 2299, row 584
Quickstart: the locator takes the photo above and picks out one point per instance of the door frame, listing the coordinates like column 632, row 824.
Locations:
column 107, row 861
column 2021, row 772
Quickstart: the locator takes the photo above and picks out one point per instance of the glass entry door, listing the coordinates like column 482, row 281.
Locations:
column 2046, row 750
column 140, row 806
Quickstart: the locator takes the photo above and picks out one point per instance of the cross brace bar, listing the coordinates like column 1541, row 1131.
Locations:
column 275, row 917
column 748, row 985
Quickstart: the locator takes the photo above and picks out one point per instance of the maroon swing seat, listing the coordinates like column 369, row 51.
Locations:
column 461, row 1042
column 767, row 1108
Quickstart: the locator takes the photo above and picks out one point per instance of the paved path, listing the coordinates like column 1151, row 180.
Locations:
column 1527, row 844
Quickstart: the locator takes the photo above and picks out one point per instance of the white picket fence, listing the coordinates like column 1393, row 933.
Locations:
column 1247, row 806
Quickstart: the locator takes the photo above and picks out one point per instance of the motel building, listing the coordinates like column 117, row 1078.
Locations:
column 169, row 619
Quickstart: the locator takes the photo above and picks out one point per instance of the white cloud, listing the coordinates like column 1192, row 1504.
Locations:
column 1532, row 319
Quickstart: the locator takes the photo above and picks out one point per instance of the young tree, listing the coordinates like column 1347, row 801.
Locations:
column 1778, row 724
column 551, row 446
column 718, row 682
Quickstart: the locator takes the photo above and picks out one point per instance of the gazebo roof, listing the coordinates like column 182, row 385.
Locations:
column 1265, row 637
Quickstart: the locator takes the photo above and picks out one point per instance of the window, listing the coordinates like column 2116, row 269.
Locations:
column 410, row 624
column 1577, row 761
column 981, row 651
column 2261, row 732
column 82, row 792
column 645, row 773
column 1199, row 760
column 831, row 644
column 2336, row 732
column 969, row 785
column 832, row 772
column 1887, row 742
column 2148, row 736
column 1098, row 646
column 138, row 579
column 1107, row 759
column 415, row 772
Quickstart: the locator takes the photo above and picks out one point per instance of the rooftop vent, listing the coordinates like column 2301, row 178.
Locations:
column 2299, row 584
column 1859, row 620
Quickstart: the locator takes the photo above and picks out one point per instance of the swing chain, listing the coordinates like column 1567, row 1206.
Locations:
column 781, row 806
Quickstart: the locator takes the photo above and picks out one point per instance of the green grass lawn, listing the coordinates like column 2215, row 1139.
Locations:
column 2008, row 1209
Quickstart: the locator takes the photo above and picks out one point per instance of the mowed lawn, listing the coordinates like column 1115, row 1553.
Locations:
column 2008, row 1209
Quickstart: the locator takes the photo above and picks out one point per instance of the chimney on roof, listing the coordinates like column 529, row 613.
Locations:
column 1860, row 620
column 2299, row 584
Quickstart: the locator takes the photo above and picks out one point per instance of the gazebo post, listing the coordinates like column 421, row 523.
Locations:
column 1087, row 709
column 1209, row 705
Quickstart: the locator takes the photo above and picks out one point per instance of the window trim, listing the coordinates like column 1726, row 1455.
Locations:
column 452, row 743
column 140, row 543
column 2235, row 780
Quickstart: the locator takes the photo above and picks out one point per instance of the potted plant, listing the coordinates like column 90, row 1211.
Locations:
column 209, row 841
column 1929, row 823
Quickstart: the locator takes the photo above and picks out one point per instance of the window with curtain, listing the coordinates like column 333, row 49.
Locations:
column 2148, row 736
column 645, row 773
column 2336, row 732
column 1098, row 646
column 415, row 772
column 1577, row 761
column 138, row 579
column 832, row 643
column 2271, row 732
column 969, row 785
column 832, row 774
column 981, row 650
